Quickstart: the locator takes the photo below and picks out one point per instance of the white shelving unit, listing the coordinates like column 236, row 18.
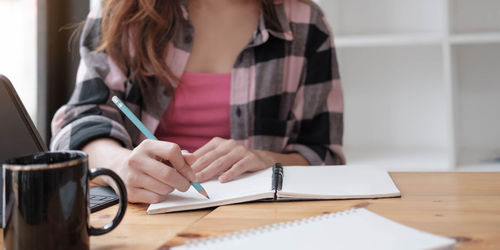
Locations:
column 421, row 82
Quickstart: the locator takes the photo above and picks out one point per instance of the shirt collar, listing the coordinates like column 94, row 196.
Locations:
column 266, row 29
column 184, row 9
column 286, row 31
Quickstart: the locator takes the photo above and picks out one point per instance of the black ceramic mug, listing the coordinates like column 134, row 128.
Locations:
column 46, row 201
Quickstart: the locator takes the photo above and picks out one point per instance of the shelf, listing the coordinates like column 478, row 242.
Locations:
column 398, row 159
column 473, row 16
column 388, row 40
column 475, row 38
column 478, row 102
column 493, row 166
column 361, row 17
column 420, row 81
column 403, row 108
column 473, row 156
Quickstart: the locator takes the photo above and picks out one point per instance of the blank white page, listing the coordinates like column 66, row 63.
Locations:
column 251, row 186
column 336, row 182
column 351, row 229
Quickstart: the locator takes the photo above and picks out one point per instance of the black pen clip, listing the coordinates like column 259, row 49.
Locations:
column 277, row 180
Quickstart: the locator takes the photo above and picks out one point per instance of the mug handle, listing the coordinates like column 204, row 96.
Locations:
column 123, row 200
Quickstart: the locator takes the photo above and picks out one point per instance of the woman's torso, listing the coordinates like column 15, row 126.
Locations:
column 198, row 112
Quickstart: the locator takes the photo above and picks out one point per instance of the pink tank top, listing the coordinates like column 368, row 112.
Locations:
column 198, row 112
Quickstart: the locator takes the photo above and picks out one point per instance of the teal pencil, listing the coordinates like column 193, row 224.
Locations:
column 149, row 135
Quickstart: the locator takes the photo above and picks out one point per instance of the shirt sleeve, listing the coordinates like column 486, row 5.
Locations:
column 90, row 113
column 319, row 103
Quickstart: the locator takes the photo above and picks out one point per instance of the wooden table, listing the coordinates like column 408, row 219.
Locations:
column 465, row 206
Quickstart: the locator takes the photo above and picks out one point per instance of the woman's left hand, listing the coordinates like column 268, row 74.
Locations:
column 229, row 159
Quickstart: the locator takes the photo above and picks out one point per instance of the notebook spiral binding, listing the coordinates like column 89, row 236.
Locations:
column 277, row 179
column 264, row 229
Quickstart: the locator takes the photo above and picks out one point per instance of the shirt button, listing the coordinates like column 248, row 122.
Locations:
column 188, row 39
column 238, row 112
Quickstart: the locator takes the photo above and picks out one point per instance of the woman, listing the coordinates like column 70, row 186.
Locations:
column 241, row 84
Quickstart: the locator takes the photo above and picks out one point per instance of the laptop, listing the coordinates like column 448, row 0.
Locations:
column 17, row 126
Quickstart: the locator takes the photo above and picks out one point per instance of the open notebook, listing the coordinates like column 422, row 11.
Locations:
column 351, row 229
column 287, row 183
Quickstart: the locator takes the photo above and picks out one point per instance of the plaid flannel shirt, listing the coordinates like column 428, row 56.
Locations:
column 286, row 94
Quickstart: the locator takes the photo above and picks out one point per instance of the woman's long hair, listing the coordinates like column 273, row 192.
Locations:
column 135, row 34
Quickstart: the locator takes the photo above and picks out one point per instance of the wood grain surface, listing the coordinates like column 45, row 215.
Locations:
column 465, row 206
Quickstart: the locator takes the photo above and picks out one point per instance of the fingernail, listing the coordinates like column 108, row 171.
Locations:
column 222, row 178
column 185, row 152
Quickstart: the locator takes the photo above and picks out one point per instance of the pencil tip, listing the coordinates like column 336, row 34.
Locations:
column 204, row 193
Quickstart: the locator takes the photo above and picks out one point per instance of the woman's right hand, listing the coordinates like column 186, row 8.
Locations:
column 150, row 172
column 154, row 169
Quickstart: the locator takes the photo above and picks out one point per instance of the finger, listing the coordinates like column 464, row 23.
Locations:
column 236, row 170
column 204, row 160
column 165, row 174
column 211, row 145
column 172, row 153
column 220, row 165
column 189, row 158
column 139, row 195
column 149, row 183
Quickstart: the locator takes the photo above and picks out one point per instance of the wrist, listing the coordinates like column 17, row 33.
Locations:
column 288, row 159
column 105, row 153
